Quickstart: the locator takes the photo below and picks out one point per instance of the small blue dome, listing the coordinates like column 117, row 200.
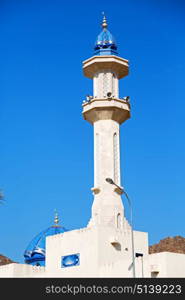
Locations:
column 35, row 252
column 105, row 42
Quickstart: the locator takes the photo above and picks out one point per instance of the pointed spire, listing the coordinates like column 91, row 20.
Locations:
column 104, row 23
column 56, row 219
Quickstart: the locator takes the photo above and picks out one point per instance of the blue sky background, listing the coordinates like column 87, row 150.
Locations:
column 46, row 148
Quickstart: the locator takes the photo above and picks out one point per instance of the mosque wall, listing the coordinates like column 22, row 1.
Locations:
column 21, row 270
column 82, row 242
column 167, row 264
column 94, row 262
column 91, row 244
column 118, row 248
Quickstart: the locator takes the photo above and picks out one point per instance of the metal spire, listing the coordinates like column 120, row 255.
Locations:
column 104, row 23
column 56, row 219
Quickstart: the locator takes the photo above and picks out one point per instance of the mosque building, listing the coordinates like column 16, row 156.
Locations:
column 36, row 250
column 108, row 246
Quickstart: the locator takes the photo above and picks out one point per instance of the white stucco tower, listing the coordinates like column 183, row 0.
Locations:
column 108, row 246
column 106, row 111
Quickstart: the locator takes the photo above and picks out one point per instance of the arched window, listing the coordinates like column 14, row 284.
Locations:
column 97, row 158
column 115, row 146
column 118, row 221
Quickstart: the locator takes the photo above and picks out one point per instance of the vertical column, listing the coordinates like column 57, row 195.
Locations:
column 104, row 82
column 96, row 158
column 106, row 152
column 98, row 85
column 115, row 151
column 115, row 86
column 116, row 148
column 95, row 85
column 109, row 83
column 107, row 208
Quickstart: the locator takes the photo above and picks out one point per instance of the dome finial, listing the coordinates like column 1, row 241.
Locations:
column 56, row 219
column 104, row 23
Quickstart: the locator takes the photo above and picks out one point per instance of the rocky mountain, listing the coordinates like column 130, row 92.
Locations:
column 170, row 244
column 5, row 260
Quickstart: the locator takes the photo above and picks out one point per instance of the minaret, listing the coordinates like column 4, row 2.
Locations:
column 106, row 111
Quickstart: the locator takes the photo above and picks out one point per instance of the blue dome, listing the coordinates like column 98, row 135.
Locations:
column 35, row 252
column 105, row 42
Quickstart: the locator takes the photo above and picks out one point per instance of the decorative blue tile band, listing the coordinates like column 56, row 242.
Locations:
column 70, row 260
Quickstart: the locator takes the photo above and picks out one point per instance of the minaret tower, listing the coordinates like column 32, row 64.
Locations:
column 106, row 111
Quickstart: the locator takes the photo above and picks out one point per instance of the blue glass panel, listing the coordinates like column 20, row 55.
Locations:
column 70, row 260
column 105, row 44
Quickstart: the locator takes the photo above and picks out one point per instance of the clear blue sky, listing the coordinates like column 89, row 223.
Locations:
column 46, row 148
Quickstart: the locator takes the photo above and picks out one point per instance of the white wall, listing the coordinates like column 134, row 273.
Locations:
column 21, row 270
column 100, row 257
column 104, row 251
column 81, row 241
column 167, row 264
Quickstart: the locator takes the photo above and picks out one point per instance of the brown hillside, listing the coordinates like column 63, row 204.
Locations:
column 5, row 260
column 170, row 244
